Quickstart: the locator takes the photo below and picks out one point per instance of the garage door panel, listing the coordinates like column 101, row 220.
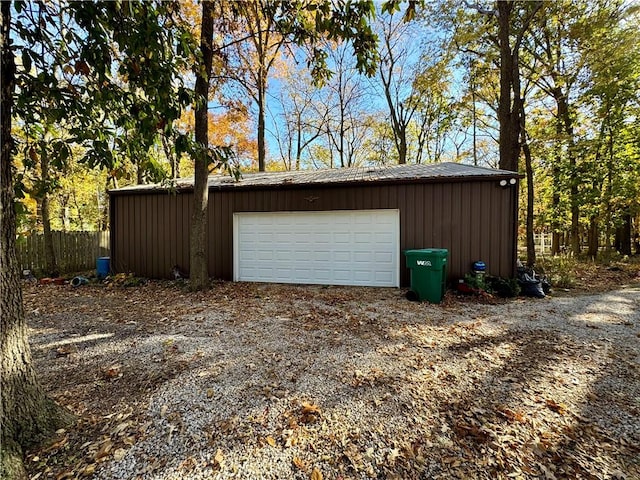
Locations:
column 362, row 257
column 339, row 247
column 265, row 237
column 323, row 237
column 383, row 258
column 383, row 277
column 323, row 275
column 320, row 256
column 344, row 257
column 362, row 238
column 342, row 237
column 342, row 275
column 282, row 256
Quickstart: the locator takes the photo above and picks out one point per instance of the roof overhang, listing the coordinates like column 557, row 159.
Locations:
column 353, row 177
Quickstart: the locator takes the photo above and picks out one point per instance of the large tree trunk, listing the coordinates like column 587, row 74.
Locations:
column 623, row 236
column 608, row 188
column 199, row 273
column 402, row 150
column 565, row 116
column 27, row 415
column 509, row 142
column 509, row 103
column 518, row 103
column 556, row 183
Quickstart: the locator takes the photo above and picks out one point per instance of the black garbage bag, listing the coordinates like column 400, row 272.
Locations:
column 546, row 285
column 531, row 285
column 532, row 288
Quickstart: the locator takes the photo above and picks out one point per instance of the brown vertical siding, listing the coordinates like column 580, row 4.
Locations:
column 150, row 233
column 475, row 220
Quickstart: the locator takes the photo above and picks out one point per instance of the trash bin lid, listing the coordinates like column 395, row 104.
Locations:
column 432, row 252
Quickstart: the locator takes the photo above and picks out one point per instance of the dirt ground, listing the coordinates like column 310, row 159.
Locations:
column 284, row 381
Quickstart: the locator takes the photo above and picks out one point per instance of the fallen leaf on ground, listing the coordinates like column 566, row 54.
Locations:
column 104, row 450
column 310, row 408
column 560, row 408
column 113, row 371
column 299, row 463
column 119, row 454
column 218, row 458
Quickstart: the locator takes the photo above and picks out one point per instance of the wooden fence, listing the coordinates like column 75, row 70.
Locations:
column 74, row 251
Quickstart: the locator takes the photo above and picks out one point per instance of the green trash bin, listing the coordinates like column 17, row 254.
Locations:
column 428, row 269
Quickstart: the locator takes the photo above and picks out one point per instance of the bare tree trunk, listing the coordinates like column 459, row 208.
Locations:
column 524, row 143
column 608, row 188
column 564, row 126
column 262, row 152
column 139, row 173
column 555, row 186
column 509, row 103
column 623, row 234
column 27, row 416
column 636, row 234
column 199, row 273
column 556, row 235
column 474, row 118
column 51, row 266
column 174, row 160
column 64, row 200
column 402, row 151
column 49, row 252
column 531, row 246
column 509, row 143
column 593, row 240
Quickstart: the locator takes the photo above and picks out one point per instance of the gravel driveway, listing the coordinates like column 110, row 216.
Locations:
column 259, row 381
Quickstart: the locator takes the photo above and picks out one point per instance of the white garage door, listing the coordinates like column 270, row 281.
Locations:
column 345, row 247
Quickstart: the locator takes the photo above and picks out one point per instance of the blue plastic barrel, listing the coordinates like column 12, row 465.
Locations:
column 103, row 266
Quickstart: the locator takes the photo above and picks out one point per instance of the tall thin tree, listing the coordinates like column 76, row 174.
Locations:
column 198, row 240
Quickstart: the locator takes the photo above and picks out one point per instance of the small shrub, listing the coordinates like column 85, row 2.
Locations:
column 475, row 281
column 560, row 270
column 504, row 287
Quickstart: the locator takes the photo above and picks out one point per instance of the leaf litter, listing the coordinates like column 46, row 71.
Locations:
column 277, row 381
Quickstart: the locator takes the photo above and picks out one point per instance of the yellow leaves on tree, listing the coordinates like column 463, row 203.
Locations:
column 232, row 128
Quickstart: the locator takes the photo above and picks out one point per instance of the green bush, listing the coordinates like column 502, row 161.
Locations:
column 504, row 287
column 560, row 270
column 477, row 282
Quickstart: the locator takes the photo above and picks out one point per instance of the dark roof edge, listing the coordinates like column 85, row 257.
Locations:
column 308, row 186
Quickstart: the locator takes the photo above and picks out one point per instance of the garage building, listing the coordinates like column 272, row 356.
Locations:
column 331, row 227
